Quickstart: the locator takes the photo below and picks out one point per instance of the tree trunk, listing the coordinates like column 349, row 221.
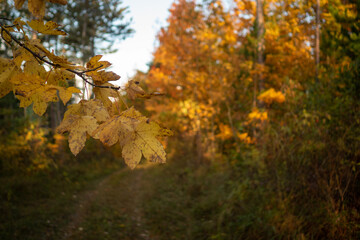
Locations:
column 317, row 41
column 260, row 41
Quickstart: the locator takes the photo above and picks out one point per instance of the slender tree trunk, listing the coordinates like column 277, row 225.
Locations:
column 317, row 41
column 260, row 41
column 259, row 53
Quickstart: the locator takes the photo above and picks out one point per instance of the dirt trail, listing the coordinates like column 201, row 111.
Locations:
column 112, row 210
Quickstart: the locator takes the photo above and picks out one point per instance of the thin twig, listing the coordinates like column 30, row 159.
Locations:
column 42, row 58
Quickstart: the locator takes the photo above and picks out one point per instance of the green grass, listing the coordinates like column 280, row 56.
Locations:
column 39, row 205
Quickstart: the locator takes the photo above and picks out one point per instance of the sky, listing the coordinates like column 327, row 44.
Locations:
column 136, row 51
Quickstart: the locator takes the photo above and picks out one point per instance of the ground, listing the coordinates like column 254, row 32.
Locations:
column 111, row 210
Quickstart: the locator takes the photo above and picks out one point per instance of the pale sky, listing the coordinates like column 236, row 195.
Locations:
column 135, row 52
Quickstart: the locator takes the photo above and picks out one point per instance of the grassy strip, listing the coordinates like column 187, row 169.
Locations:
column 39, row 205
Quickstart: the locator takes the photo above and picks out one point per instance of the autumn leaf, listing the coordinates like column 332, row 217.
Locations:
column 19, row 3
column 59, row 61
column 104, row 94
column 33, row 67
column 62, row 2
column 59, row 77
column 137, row 136
column 37, row 7
column 101, row 77
column 78, row 128
column 94, row 63
column 21, row 54
column 133, row 90
column 65, row 94
column 93, row 108
column 49, row 28
column 30, row 88
column 7, row 70
column 5, row 35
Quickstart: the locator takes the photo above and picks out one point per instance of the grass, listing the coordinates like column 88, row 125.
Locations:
column 39, row 205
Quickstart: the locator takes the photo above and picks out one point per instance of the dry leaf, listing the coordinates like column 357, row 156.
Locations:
column 136, row 135
column 78, row 127
column 49, row 28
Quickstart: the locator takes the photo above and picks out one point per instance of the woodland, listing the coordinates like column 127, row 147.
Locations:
column 246, row 124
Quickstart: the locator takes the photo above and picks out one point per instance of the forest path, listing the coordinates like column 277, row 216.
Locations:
column 111, row 210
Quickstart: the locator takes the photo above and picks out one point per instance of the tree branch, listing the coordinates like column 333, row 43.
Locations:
column 81, row 74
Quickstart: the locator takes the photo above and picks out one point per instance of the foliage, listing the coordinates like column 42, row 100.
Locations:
column 37, row 76
column 290, row 151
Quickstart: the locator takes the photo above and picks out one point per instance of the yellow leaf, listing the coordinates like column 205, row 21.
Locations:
column 5, row 35
column 62, row 2
column 61, row 61
column 94, row 63
column 33, row 67
column 133, row 90
column 66, row 93
column 7, row 70
column 30, row 88
column 48, row 28
column 78, row 127
column 137, row 136
column 92, row 108
column 225, row 132
column 103, row 94
column 271, row 96
column 131, row 154
column 103, row 77
column 19, row 3
column 37, row 7
column 59, row 77
column 21, row 54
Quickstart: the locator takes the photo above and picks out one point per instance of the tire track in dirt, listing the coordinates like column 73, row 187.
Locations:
column 121, row 194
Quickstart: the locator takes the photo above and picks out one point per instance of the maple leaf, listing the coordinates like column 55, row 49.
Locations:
column 19, row 3
column 37, row 7
column 104, row 94
column 7, row 70
column 142, row 141
column 94, row 63
column 101, row 77
column 65, row 94
column 133, row 90
column 136, row 135
column 78, row 128
column 62, row 2
column 59, row 77
column 5, row 35
column 21, row 54
column 49, row 28
column 30, row 88
column 60, row 61
column 92, row 108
